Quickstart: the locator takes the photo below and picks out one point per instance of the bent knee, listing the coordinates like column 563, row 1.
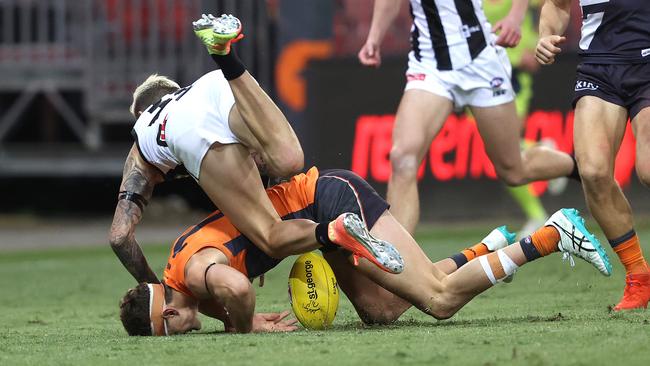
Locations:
column 404, row 161
column 379, row 316
column 287, row 163
column 595, row 175
column 510, row 175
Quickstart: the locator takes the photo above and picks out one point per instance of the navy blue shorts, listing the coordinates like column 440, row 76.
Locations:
column 625, row 85
column 339, row 191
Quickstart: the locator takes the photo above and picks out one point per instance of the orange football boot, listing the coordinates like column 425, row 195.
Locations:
column 637, row 292
column 351, row 233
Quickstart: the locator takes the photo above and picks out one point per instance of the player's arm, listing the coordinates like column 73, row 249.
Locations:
column 228, row 295
column 509, row 28
column 383, row 15
column 553, row 21
column 138, row 181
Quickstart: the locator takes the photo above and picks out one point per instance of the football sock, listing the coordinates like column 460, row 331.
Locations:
column 629, row 252
column 468, row 254
column 529, row 203
column 541, row 243
column 322, row 236
column 497, row 266
column 230, row 65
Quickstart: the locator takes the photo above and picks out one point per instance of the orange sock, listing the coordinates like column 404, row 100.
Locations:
column 629, row 252
column 545, row 240
column 476, row 250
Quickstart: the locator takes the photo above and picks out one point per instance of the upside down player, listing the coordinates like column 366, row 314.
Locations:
column 208, row 129
column 456, row 61
column 210, row 264
column 612, row 85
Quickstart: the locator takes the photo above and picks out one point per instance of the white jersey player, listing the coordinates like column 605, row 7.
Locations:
column 210, row 128
column 456, row 61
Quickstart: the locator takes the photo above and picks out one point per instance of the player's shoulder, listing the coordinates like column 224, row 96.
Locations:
column 212, row 76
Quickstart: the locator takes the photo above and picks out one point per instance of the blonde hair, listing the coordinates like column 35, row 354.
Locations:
column 155, row 87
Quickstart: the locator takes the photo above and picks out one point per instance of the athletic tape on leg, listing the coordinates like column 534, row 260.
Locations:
column 509, row 267
column 487, row 269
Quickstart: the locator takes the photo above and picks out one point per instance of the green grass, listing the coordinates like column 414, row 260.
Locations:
column 60, row 307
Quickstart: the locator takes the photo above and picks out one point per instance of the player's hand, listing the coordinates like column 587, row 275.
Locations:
column 274, row 322
column 370, row 54
column 509, row 30
column 547, row 48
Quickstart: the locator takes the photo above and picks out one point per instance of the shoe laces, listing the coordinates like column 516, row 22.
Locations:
column 567, row 256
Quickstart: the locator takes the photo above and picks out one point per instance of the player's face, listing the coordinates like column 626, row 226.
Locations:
column 185, row 321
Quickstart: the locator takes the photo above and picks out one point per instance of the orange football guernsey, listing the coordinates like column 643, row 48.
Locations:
column 293, row 199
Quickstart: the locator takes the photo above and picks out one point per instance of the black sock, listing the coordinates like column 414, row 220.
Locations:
column 575, row 174
column 230, row 64
column 322, row 238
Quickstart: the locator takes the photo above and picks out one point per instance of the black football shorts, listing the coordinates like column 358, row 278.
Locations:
column 627, row 85
column 339, row 191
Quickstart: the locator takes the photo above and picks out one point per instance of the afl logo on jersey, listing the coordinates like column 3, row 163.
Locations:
column 585, row 85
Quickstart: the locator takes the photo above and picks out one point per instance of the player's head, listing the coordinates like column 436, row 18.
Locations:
column 147, row 310
column 155, row 87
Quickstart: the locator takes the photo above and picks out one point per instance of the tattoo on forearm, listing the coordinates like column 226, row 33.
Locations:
column 127, row 216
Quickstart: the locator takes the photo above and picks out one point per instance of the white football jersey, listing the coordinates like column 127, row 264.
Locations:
column 448, row 34
column 178, row 130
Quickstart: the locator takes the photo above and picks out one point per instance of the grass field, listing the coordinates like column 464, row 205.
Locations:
column 60, row 307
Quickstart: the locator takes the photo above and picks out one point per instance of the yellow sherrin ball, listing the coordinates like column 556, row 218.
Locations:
column 313, row 291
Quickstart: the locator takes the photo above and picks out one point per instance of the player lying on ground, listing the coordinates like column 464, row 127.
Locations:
column 612, row 86
column 207, row 129
column 210, row 264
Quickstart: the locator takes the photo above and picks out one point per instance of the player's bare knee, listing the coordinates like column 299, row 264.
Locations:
column 379, row 316
column 595, row 177
column 403, row 162
column 286, row 163
column 510, row 175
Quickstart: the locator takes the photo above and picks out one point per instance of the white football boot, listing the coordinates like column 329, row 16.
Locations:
column 576, row 240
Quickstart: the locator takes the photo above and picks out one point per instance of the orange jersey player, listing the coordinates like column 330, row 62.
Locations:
column 211, row 264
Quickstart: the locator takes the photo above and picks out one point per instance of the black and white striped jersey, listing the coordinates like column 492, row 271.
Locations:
column 448, row 34
column 615, row 31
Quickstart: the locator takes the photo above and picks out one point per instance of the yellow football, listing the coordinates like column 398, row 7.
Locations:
column 313, row 291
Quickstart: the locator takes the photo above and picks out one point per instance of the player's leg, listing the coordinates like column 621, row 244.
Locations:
column 420, row 116
column 499, row 128
column 255, row 119
column 439, row 295
column 373, row 303
column 230, row 178
column 497, row 239
column 641, row 129
column 599, row 127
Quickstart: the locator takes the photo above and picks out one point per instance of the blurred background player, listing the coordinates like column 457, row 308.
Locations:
column 612, row 85
column 456, row 61
column 208, row 130
column 210, row 265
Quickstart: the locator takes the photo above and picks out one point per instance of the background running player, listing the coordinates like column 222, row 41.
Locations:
column 454, row 62
column 208, row 129
column 612, row 85
column 210, row 265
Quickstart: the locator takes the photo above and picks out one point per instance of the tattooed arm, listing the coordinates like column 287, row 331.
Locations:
column 138, row 177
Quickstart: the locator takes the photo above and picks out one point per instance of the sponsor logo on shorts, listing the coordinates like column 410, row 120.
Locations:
column 585, row 85
column 413, row 77
column 495, row 84
column 645, row 52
